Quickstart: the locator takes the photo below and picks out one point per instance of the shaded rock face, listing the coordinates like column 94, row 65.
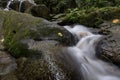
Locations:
column 39, row 11
column 110, row 48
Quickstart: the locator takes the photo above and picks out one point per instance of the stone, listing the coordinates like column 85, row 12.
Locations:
column 110, row 49
column 7, row 63
column 39, row 11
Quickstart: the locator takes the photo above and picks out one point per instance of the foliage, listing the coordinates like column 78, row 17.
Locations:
column 93, row 16
column 57, row 6
column 85, row 4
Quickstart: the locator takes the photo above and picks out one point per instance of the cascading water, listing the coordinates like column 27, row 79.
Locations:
column 8, row 4
column 21, row 1
column 85, row 60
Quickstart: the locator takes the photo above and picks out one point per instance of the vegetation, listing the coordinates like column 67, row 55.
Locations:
column 91, row 17
column 15, row 28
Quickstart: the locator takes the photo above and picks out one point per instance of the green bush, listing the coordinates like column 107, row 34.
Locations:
column 91, row 17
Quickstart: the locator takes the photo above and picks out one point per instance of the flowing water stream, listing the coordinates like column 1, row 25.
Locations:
column 84, row 56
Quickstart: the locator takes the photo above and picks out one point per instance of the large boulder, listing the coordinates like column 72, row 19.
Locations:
column 110, row 49
column 17, row 27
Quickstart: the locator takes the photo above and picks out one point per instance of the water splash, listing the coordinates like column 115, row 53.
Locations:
column 85, row 60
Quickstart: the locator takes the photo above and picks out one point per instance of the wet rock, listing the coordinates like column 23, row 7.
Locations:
column 110, row 49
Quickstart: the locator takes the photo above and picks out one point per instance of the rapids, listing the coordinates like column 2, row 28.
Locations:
column 83, row 56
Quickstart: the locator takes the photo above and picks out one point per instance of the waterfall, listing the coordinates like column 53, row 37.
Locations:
column 21, row 1
column 8, row 4
column 83, row 57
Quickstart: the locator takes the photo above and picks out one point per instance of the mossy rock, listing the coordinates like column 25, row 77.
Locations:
column 19, row 26
column 92, row 17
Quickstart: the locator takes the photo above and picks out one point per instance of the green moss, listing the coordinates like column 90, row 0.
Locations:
column 92, row 16
column 17, row 27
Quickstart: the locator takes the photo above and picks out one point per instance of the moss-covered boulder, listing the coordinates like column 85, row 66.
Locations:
column 17, row 26
column 92, row 17
column 39, row 11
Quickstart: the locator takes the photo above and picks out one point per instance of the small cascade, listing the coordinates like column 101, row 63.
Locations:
column 8, row 5
column 82, row 55
column 21, row 1
column 20, row 4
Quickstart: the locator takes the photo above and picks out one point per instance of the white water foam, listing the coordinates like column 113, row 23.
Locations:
column 83, row 54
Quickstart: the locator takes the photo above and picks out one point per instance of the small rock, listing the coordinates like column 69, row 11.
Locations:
column 7, row 63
